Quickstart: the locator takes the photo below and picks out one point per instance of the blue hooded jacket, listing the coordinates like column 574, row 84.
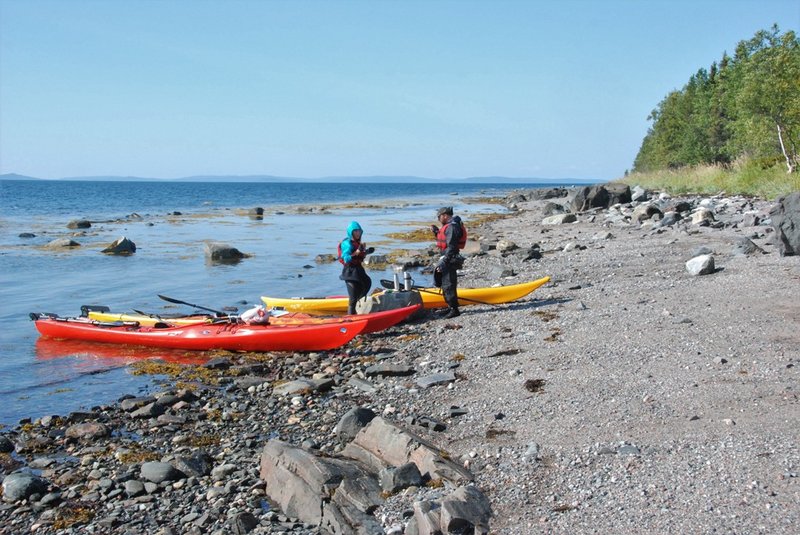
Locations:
column 349, row 246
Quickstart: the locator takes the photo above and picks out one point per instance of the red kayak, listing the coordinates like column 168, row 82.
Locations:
column 376, row 321
column 206, row 336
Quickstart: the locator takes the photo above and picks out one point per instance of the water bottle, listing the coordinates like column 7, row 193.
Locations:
column 407, row 282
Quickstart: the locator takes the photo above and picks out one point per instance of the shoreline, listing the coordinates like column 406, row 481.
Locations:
column 626, row 395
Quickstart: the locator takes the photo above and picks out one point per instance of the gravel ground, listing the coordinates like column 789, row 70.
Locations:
column 625, row 396
column 662, row 402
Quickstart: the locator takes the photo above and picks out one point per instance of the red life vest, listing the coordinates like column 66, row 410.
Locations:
column 441, row 238
column 354, row 246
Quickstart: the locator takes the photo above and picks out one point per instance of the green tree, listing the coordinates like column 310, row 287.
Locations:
column 770, row 92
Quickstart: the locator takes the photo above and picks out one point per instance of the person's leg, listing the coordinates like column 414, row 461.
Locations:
column 449, row 290
column 353, row 290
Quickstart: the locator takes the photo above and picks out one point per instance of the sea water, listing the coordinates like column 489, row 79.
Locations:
column 170, row 223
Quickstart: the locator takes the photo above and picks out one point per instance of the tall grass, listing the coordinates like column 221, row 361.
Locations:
column 742, row 178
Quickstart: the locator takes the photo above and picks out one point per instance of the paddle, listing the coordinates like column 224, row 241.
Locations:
column 179, row 302
column 390, row 285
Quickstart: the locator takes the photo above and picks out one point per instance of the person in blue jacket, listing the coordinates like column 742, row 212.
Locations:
column 351, row 254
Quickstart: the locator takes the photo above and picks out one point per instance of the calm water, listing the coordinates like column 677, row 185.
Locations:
column 39, row 377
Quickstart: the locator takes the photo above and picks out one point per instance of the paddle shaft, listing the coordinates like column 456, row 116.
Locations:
column 179, row 302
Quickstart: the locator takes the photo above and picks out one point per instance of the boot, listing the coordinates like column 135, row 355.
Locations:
column 454, row 313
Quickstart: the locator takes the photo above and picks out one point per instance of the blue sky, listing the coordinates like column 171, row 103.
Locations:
column 549, row 89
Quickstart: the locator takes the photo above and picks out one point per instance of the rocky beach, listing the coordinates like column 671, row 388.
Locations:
column 650, row 387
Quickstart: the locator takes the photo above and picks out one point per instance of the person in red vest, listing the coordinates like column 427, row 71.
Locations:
column 450, row 239
column 351, row 254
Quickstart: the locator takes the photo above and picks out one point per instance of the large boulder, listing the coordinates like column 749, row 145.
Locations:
column 786, row 221
column 79, row 223
column 21, row 485
column 122, row 246
column 222, row 252
column 600, row 196
column 337, row 495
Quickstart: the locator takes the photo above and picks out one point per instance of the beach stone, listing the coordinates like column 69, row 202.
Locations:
column 381, row 444
column 559, row 219
column 646, row 211
column 121, row 246
column 702, row 217
column 222, row 252
column 131, row 404
column 352, row 422
column 436, row 379
column 389, row 370
column 600, row 196
column 786, row 223
column 21, row 485
column 334, row 494
column 466, row 510
column 504, row 246
column 88, row 431
column 157, row 472
column 639, row 194
column 553, row 208
column 134, row 488
column 198, row 464
column 79, row 223
column 700, row 265
column 6, row 445
column 427, row 518
column 218, row 473
column 242, row 523
column 325, row 258
column 395, row 479
column 745, row 247
column 61, row 243
column 302, row 385
column 26, row 235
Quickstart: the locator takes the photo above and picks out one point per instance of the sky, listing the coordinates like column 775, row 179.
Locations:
column 440, row 89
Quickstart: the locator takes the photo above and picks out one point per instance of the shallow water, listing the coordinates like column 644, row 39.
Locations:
column 39, row 377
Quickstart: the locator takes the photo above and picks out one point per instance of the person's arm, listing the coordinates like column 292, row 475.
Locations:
column 347, row 251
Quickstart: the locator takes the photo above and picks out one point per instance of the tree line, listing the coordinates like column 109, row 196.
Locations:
column 743, row 108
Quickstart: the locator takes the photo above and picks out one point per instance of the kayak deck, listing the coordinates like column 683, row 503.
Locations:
column 431, row 298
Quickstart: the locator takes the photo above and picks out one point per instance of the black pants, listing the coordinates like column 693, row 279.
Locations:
column 358, row 285
column 450, row 287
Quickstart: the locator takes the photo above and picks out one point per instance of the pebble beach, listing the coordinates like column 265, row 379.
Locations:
column 627, row 395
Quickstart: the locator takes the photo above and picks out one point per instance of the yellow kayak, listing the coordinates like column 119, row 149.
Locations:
column 431, row 298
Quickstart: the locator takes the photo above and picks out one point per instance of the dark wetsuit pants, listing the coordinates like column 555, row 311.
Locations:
column 358, row 285
column 450, row 286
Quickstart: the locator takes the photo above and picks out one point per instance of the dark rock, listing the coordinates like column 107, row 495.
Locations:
column 786, row 222
column 552, row 208
column 466, row 510
column 21, row 485
column 547, row 193
column 745, row 247
column 222, row 252
column 198, row 465
column 352, row 422
column 122, row 246
column 242, row 523
column 395, row 479
column 600, row 196
column 157, row 472
column 79, row 223
column 27, row 235
column 6, row 445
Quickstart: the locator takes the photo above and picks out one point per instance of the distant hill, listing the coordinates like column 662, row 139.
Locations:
column 378, row 179
column 14, row 176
